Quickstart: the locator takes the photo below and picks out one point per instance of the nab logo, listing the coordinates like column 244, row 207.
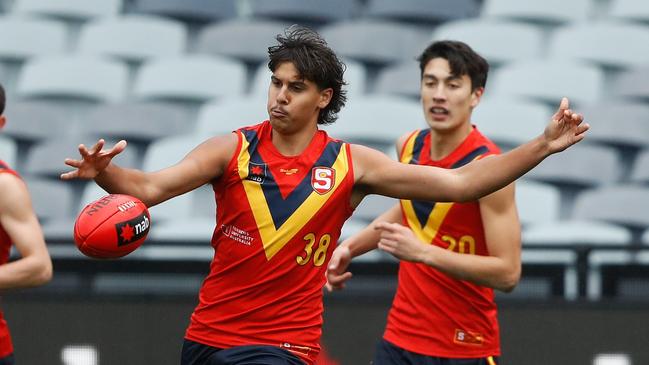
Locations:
column 322, row 179
column 256, row 172
column 132, row 230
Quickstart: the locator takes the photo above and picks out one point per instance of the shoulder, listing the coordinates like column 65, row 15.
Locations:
column 13, row 192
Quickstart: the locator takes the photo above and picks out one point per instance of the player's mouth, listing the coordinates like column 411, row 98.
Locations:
column 439, row 113
column 278, row 113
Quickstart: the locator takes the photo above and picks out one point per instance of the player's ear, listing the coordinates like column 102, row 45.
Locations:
column 325, row 97
column 3, row 120
column 476, row 95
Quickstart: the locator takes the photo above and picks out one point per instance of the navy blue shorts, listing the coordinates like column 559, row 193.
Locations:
column 8, row 360
column 195, row 353
column 389, row 354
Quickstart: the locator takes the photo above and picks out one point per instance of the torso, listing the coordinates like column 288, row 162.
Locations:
column 6, row 346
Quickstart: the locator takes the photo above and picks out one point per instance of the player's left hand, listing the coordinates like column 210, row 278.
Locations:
column 565, row 128
column 401, row 242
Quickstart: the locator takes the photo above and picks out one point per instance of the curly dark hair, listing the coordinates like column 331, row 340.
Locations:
column 3, row 99
column 462, row 59
column 315, row 61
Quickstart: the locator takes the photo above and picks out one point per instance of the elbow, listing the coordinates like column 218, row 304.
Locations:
column 43, row 273
column 509, row 281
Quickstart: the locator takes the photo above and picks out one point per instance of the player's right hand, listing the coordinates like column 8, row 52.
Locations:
column 336, row 274
column 93, row 161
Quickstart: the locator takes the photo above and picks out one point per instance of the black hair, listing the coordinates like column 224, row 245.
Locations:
column 3, row 99
column 462, row 59
column 315, row 61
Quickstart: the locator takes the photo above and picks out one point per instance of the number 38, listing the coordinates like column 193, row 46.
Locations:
column 320, row 253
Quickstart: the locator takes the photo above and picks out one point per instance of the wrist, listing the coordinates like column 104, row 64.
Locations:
column 542, row 145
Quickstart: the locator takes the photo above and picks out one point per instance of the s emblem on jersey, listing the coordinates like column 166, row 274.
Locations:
column 257, row 172
column 322, row 179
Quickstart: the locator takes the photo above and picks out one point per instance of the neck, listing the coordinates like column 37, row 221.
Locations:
column 293, row 143
column 442, row 143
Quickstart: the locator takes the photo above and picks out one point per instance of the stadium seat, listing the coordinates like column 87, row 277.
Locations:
column 225, row 116
column 422, row 11
column 53, row 202
column 71, row 9
column 629, row 10
column 640, row 172
column 549, row 80
column 190, row 78
column 607, row 44
column 537, row 203
column 355, row 77
column 80, row 77
column 582, row 165
column 246, row 40
column 632, row 84
column 139, row 122
column 32, row 121
column 133, row 37
column 377, row 120
column 402, row 79
column 193, row 11
column 545, row 12
column 510, row 122
column 22, row 38
column 8, row 150
column 46, row 158
column 168, row 151
column 373, row 206
column 374, row 42
column 516, row 41
column 645, row 237
column 618, row 123
column 576, row 232
column 619, row 204
column 304, row 11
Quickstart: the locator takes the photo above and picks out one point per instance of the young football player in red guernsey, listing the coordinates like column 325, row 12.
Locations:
column 19, row 227
column 283, row 189
column 452, row 254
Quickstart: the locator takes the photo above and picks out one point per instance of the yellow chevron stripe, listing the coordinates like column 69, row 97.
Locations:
column 490, row 360
column 274, row 240
column 406, row 154
column 435, row 219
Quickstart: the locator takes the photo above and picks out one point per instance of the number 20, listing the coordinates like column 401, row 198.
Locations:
column 320, row 252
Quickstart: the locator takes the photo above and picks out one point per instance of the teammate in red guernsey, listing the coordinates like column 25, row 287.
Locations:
column 18, row 227
column 453, row 254
column 284, row 189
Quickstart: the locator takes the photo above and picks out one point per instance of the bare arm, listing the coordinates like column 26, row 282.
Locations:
column 203, row 164
column 19, row 221
column 500, row 270
column 376, row 173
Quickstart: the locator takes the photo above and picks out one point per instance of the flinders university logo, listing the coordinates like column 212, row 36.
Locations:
column 257, row 172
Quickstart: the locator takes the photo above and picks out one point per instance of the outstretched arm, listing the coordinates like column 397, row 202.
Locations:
column 501, row 269
column 378, row 174
column 19, row 221
column 203, row 164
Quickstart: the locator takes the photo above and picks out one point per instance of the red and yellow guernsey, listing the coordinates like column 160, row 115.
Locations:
column 278, row 220
column 432, row 313
column 6, row 346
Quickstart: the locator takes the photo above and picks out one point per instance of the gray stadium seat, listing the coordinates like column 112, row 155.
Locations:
column 247, row 40
column 80, row 77
column 133, row 37
column 72, row 9
column 608, row 44
column 8, row 150
column 548, row 11
column 140, row 122
column 549, row 80
column 191, row 78
column 373, row 206
column 377, row 120
column 582, row 165
column 402, row 79
column 22, row 38
column 619, row 204
column 53, row 203
column 374, row 42
column 645, row 237
column 227, row 115
column 510, row 121
column 168, row 151
column 516, row 41
column 537, row 203
column 304, row 11
column 629, row 10
column 46, row 158
column 576, row 232
column 422, row 11
column 355, row 77
column 632, row 84
column 31, row 121
column 640, row 172
column 197, row 11
column 619, row 123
